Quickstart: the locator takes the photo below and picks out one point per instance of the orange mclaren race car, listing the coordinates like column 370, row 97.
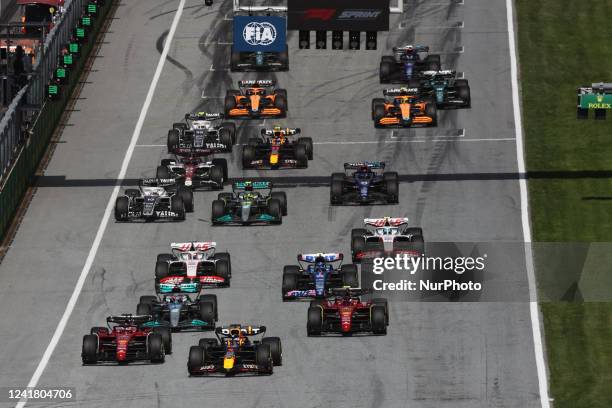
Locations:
column 256, row 99
column 403, row 107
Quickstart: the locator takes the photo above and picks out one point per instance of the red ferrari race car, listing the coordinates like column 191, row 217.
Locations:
column 256, row 99
column 345, row 313
column 191, row 266
column 386, row 237
column 126, row 340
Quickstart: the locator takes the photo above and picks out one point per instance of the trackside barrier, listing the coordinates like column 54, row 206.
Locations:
column 26, row 149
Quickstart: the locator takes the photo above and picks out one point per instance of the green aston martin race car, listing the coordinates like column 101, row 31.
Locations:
column 250, row 202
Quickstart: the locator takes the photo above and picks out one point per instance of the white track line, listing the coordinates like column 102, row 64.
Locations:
column 107, row 213
column 533, row 295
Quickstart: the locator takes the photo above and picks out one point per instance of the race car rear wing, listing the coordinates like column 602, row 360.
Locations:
column 204, row 116
column 244, row 330
column 129, row 319
column 348, row 291
column 417, row 48
column 371, row 165
column 257, row 185
column 256, row 83
column 447, row 73
column 385, row 222
column 400, row 91
column 155, row 182
column 193, row 246
column 328, row 257
column 286, row 131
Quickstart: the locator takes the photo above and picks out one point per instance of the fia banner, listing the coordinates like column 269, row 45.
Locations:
column 260, row 33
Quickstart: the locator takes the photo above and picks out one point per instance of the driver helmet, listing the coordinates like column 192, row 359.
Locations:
column 248, row 186
column 409, row 49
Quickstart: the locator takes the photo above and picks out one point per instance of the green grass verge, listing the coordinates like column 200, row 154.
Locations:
column 564, row 44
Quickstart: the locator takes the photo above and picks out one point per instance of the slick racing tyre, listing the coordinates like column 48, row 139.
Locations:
column 177, row 206
column 122, row 206
column 222, row 164
column 207, row 314
column 301, row 155
column 307, row 142
column 280, row 102
column 166, row 336
column 204, row 343
column 315, row 321
column 89, row 353
column 392, row 188
column 226, row 257
column 263, row 358
column 231, row 128
column 173, row 140
column 282, row 199
column 358, row 244
column 155, row 345
column 143, row 309
column 432, row 111
column 350, row 276
column 432, row 63
column 385, row 70
column 382, row 302
column 283, row 58
column 358, row 232
column 229, row 104
column 222, row 269
column 335, row 194
column 275, row 210
column 161, row 269
column 147, row 299
column 162, row 172
column 283, row 93
column 196, row 358
column 218, row 211
column 291, row 274
column 225, row 137
column 180, row 126
column 378, row 319
column 248, row 155
column 187, row 196
column 276, row 349
column 99, row 330
column 377, row 102
column 224, row 196
column 212, row 299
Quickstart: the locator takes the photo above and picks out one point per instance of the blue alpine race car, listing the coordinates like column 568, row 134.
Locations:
column 316, row 275
column 364, row 183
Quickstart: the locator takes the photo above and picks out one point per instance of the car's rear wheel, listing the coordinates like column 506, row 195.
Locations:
column 382, row 302
column 315, row 321
column 207, row 342
column 378, row 113
column 377, row 102
column 155, row 345
column 212, row 299
column 226, row 257
column 187, row 196
column 358, row 244
column 207, row 314
column 276, row 349
column 336, row 192
column 231, row 127
column 225, row 137
column 280, row 102
column 358, row 232
column 384, row 74
column 291, row 275
column 222, row 269
column 307, row 142
column 143, row 309
column 222, row 164
column 378, row 319
column 350, row 276
column 177, row 206
column 432, row 62
column 283, row 93
column 282, row 199
column 161, row 269
column 248, row 155
column 263, row 358
column 218, row 210
column 166, row 336
column 162, row 172
column 301, row 155
column 275, row 210
column 216, row 176
column 283, row 58
column 89, row 353
column 173, row 140
column 122, row 205
column 432, row 111
column 196, row 358
column 392, row 187
column 229, row 103
column 99, row 330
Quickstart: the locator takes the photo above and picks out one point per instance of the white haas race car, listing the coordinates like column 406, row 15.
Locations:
column 385, row 237
column 192, row 266
column 199, row 132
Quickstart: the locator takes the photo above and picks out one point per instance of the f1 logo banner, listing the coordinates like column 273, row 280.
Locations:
column 342, row 15
column 260, row 33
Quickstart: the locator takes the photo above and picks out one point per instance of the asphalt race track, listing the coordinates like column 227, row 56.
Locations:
column 459, row 355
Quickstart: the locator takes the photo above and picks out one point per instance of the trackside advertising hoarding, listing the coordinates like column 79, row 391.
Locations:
column 259, row 33
column 343, row 15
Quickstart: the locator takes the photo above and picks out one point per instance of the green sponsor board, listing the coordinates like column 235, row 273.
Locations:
column 74, row 48
column 86, row 21
column 80, row 32
column 596, row 101
column 68, row 59
column 60, row 73
column 92, row 8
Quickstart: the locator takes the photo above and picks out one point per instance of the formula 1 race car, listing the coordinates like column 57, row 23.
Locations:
column 385, row 237
column 363, row 183
column 126, row 340
column 319, row 276
column 346, row 313
column 275, row 150
column 259, row 60
column 234, row 353
column 199, row 132
column 256, row 99
column 179, row 311
column 191, row 266
column 404, row 107
column 245, row 205
column 406, row 64
column 597, row 97
column 193, row 171
column 154, row 199
column 445, row 89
